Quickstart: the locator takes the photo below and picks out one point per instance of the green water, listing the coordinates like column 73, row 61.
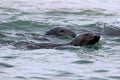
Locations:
column 24, row 20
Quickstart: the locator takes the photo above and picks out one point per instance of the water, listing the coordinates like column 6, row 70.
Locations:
column 21, row 20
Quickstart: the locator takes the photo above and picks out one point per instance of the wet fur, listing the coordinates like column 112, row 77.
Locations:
column 81, row 40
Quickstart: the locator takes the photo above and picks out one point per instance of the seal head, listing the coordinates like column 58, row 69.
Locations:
column 87, row 38
column 61, row 31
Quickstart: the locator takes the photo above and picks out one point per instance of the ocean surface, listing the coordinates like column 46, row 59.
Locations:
column 23, row 20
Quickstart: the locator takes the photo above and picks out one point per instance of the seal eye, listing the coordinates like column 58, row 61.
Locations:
column 61, row 31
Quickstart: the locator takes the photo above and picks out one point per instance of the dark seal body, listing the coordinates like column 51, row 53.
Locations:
column 81, row 40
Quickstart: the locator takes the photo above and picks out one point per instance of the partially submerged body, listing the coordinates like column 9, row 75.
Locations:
column 81, row 40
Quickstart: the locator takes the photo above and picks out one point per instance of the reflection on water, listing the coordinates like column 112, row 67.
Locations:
column 28, row 20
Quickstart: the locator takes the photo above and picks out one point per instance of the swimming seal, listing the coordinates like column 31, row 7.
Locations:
column 57, row 31
column 61, row 31
column 83, row 39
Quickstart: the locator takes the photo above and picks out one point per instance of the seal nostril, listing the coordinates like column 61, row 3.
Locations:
column 73, row 35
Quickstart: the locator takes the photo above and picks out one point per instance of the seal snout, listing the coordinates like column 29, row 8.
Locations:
column 96, row 37
column 73, row 34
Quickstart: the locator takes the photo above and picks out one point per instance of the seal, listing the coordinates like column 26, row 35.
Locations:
column 61, row 31
column 57, row 31
column 83, row 39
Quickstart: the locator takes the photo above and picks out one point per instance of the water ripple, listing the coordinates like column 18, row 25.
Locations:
column 96, row 78
column 83, row 62
column 115, row 77
column 79, row 12
column 20, row 77
column 5, row 65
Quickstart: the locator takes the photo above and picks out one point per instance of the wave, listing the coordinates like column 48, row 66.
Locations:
column 105, row 4
column 80, row 12
column 22, row 25
column 46, row 5
column 5, row 65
